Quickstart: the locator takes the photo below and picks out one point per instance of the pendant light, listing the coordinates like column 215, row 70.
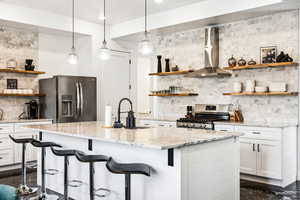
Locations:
column 145, row 46
column 104, row 52
column 73, row 58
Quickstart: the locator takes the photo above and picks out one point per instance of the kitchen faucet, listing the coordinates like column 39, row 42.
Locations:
column 130, row 120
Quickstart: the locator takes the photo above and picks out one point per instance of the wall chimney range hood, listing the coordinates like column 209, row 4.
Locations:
column 211, row 52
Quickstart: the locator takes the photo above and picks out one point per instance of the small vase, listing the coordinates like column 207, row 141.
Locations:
column 232, row 61
column 167, row 65
column 242, row 62
column 159, row 69
column 252, row 62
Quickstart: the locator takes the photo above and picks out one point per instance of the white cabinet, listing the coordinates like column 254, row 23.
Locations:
column 269, row 159
column 247, row 157
column 6, row 150
column 10, row 152
column 261, row 158
column 268, row 154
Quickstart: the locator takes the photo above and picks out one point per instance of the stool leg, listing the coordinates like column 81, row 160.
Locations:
column 127, row 187
column 92, row 194
column 43, row 171
column 44, row 195
column 66, row 178
column 23, row 164
column 23, row 188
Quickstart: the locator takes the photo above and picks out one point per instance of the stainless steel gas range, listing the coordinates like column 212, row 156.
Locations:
column 203, row 116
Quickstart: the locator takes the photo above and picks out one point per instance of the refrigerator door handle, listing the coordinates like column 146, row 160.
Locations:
column 81, row 99
column 77, row 99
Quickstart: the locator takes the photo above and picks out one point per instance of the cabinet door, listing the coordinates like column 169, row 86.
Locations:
column 269, row 159
column 248, row 156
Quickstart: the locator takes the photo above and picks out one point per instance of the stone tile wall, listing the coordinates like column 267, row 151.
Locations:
column 17, row 44
column 241, row 39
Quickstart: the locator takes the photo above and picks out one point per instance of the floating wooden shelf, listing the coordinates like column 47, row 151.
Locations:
column 20, row 71
column 21, row 95
column 174, row 95
column 259, row 66
column 171, row 73
column 262, row 94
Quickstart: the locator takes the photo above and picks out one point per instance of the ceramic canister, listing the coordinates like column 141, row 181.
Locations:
column 250, row 85
column 237, row 87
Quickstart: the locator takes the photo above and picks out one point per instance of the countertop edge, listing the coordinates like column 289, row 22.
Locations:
column 24, row 121
column 166, row 147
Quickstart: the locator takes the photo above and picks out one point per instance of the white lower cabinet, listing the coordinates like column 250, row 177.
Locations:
column 267, row 155
column 261, row 158
column 248, row 158
column 269, row 162
column 6, row 150
column 10, row 152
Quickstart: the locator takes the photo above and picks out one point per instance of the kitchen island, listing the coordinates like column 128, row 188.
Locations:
column 188, row 164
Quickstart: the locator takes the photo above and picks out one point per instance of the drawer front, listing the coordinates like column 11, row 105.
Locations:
column 5, row 142
column 260, row 133
column 6, row 128
column 6, row 157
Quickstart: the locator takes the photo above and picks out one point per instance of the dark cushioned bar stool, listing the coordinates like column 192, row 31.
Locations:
column 43, row 146
column 23, row 188
column 128, row 169
column 66, row 153
column 92, row 159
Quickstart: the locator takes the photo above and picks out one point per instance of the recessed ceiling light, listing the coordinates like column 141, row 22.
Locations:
column 158, row 1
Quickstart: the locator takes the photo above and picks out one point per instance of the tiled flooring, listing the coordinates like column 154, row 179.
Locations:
column 249, row 190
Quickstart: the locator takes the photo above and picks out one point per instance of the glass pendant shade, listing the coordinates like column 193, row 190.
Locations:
column 146, row 47
column 73, row 58
column 104, row 52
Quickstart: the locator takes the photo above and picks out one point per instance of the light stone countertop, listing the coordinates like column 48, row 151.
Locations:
column 260, row 124
column 247, row 123
column 23, row 121
column 156, row 138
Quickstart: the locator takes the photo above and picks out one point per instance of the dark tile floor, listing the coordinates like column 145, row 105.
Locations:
column 249, row 190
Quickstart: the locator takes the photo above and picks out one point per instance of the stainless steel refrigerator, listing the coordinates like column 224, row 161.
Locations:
column 69, row 98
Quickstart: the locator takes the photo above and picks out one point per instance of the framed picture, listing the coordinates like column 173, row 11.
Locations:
column 12, row 84
column 268, row 54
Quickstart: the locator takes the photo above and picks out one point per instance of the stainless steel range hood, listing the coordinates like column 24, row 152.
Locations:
column 211, row 52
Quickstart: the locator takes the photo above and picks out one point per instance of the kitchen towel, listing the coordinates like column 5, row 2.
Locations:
column 108, row 116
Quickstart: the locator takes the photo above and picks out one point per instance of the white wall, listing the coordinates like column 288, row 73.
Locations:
column 53, row 52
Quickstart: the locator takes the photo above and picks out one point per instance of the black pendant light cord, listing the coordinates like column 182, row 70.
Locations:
column 104, row 26
column 146, row 16
column 73, row 25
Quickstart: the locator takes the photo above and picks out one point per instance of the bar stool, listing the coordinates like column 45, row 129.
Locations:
column 43, row 146
column 23, row 189
column 92, row 159
column 128, row 169
column 66, row 153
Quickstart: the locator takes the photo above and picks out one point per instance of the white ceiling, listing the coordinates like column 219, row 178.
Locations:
column 117, row 10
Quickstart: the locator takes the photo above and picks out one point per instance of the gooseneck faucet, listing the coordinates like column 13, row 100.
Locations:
column 130, row 120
